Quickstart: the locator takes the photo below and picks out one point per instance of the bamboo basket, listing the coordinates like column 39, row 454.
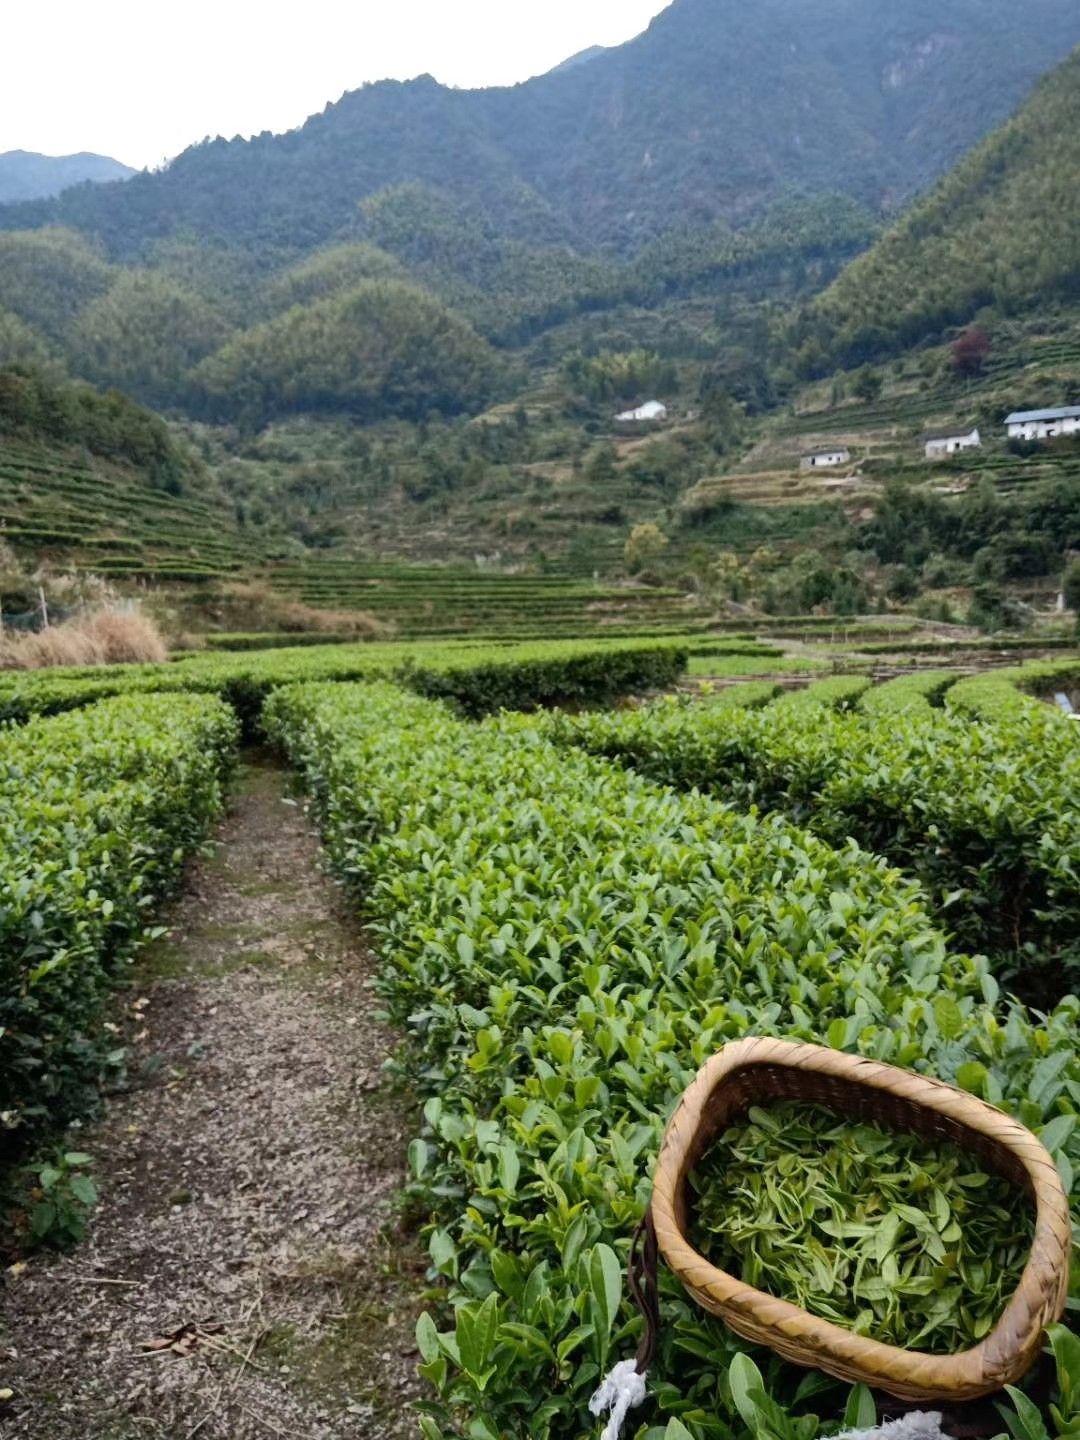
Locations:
column 759, row 1070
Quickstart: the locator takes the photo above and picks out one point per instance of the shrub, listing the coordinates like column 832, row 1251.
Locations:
column 97, row 811
column 564, row 942
column 974, row 810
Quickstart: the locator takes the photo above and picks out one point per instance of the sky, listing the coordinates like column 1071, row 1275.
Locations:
column 140, row 80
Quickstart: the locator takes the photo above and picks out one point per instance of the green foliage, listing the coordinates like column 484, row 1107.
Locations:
column 47, row 276
column 19, row 344
column 330, row 272
column 903, row 1241
column 63, row 1196
column 1008, row 537
column 974, row 810
column 1002, row 229
column 144, row 335
column 98, row 810
column 564, row 943
column 33, row 402
column 475, row 676
column 648, row 137
column 380, row 349
column 839, row 692
column 644, row 546
column 1070, row 586
column 620, row 378
column 1000, row 694
column 918, row 693
column 589, row 675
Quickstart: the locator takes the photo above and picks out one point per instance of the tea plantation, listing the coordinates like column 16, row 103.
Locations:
column 573, row 909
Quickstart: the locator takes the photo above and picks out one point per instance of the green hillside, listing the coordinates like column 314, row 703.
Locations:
column 1002, row 230
column 96, row 482
column 662, row 133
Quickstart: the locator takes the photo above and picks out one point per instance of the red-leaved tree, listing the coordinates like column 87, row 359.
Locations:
column 970, row 351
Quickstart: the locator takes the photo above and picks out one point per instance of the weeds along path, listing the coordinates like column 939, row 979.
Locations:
column 249, row 1180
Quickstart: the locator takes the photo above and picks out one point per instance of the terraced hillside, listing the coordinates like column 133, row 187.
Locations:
column 425, row 601
column 767, row 498
column 64, row 503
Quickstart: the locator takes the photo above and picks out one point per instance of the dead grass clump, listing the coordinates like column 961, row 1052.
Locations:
column 104, row 637
column 253, row 606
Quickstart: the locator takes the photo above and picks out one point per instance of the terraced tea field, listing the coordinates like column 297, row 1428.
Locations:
column 430, row 602
column 106, row 518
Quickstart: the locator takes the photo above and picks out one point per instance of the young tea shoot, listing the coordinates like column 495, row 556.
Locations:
column 885, row 1233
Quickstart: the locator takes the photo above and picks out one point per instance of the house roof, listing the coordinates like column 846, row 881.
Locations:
column 1021, row 417
column 649, row 408
column 829, row 450
column 960, row 433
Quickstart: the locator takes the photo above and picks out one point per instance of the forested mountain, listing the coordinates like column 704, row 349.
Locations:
column 717, row 111
column 1003, row 229
column 27, row 176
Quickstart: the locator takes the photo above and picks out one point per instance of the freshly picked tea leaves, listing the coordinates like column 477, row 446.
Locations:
column 889, row 1234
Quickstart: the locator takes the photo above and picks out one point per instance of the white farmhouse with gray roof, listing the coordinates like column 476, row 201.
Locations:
column 944, row 443
column 825, row 459
column 1044, row 424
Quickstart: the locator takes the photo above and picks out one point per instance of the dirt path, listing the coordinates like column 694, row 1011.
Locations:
column 249, row 1181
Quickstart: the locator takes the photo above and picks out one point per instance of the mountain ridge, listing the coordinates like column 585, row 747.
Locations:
column 712, row 113
column 27, row 175
column 1002, row 229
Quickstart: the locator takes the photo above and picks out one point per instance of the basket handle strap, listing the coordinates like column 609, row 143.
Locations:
column 641, row 1275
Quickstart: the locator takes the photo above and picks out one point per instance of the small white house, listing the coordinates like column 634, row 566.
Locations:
column 1043, row 424
column 825, row 459
column 651, row 410
column 951, row 442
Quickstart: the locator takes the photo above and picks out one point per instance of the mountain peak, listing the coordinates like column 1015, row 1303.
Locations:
column 26, row 175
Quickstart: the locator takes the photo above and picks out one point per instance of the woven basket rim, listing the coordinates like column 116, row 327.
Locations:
column 1008, row 1349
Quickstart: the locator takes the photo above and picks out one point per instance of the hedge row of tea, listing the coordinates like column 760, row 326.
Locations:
column 564, row 943
column 98, row 810
column 478, row 677
column 983, row 813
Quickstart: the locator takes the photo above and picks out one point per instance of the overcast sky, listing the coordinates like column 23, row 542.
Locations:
column 140, row 80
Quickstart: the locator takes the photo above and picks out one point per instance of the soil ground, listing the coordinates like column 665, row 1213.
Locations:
column 249, row 1176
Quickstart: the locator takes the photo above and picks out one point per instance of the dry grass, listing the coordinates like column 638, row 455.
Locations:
column 253, row 606
column 103, row 637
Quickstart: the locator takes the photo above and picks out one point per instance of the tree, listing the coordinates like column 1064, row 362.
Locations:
column 1071, row 588
column 646, row 543
column 867, row 384
column 970, row 351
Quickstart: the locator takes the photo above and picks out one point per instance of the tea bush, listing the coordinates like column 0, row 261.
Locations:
column 917, row 693
column 479, row 677
column 984, row 814
column 564, row 942
column 999, row 694
column 839, row 692
column 98, row 810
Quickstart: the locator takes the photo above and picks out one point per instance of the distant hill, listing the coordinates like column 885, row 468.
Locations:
column 1002, row 229
column 581, row 58
column 27, row 176
column 718, row 111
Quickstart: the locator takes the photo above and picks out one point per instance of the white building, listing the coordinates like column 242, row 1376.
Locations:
column 1044, row 424
column 651, row 410
column 824, row 459
column 951, row 442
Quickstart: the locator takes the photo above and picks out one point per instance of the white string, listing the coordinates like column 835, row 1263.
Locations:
column 620, row 1392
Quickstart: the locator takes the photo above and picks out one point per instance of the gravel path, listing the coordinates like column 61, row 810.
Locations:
column 249, row 1226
